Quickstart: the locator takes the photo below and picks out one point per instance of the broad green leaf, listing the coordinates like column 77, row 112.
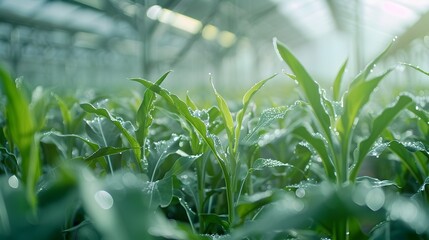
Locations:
column 106, row 151
column 246, row 100
column 405, row 151
column 119, row 209
column 378, row 125
column 407, row 159
column 22, row 129
column 144, row 114
column 376, row 183
column 310, row 87
column 190, row 103
column 102, row 132
column 39, row 107
column 181, row 164
column 249, row 204
column 94, row 146
column 320, row 146
column 325, row 205
column 183, row 110
column 105, row 134
column 158, row 152
column 65, row 112
column 117, row 206
column 266, row 118
column 354, row 100
column 17, row 219
column 337, row 83
column 160, row 193
column 226, row 115
column 262, row 163
column 199, row 126
column 120, row 125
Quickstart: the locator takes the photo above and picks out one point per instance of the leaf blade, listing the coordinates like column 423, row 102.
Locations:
column 310, row 87
column 131, row 140
column 378, row 125
column 338, row 79
column 22, row 128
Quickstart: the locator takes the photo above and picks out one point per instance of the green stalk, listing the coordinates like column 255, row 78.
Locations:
column 230, row 199
column 343, row 162
column 230, row 188
column 201, row 166
column 341, row 230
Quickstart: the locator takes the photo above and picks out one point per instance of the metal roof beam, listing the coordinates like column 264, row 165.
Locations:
column 418, row 30
column 335, row 13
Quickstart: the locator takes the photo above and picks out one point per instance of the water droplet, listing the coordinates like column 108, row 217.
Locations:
column 300, row 192
column 13, row 181
column 104, row 199
column 375, row 199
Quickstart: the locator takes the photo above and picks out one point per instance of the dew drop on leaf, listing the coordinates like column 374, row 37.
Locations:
column 13, row 181
column 300, row 192
column 104, row 199
column 375, row 199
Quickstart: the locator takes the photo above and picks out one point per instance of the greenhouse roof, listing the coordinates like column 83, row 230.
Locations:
column 294, row 21
column 175, row 25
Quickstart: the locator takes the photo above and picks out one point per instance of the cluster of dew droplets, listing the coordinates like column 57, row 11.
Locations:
column 95, row 120
column 203, row 115
column 161, row 146
column 102, row 103
column 414, row 146
column 218, row 144
column 150, row 188
column 378, row 148
column 271, row 137
column 324, row 99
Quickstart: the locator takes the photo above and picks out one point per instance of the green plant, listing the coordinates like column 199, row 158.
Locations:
column 139, row 166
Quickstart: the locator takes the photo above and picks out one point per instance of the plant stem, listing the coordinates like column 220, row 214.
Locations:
column 230, row 199
column 201, row 166
column 341, row 230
